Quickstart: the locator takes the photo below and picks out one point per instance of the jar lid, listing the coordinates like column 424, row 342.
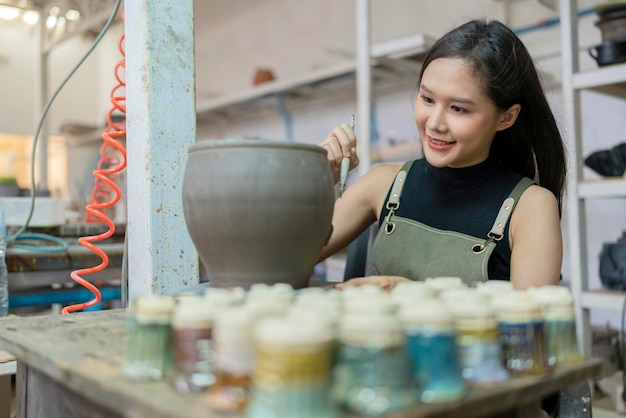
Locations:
column 444, row 282
column 494, row 287
column 300, row 312
column 369, row 304
column 289, row 332
column 154, row 308
column 221, row 297
column 551, row 294
column 317, row 301
column 428, row 312
column 516, row 305
column 419, row 289
column 268, row 306
column 281, row 292
column 472, row 313
column 464, row 295
column 193, row 313
column 233, row 323
column 361, row 291
column 310, row 292
column 371, row 330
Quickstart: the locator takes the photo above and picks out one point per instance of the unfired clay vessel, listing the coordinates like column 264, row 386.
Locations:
column 258, row 211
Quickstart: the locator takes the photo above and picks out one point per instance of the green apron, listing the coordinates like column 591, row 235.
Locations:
column 407, row 248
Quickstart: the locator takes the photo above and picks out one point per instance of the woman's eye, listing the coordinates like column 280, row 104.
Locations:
column 457, row 109
column 427, row 99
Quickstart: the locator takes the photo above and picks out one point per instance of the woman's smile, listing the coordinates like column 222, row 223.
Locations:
column 438, row 144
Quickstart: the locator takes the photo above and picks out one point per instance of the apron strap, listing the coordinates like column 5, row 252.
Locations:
column 497, row 230
column 398, row 185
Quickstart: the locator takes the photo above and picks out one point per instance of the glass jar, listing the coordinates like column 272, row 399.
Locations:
column 372, row 373
column 149, row 354
column 192, row 323
column 480, row 356
column 292, row 372
column 234, row 360
column 560, row 324
column 431, row 345
column 522, row 333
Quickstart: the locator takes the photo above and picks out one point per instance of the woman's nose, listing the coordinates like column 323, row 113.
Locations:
column 436, row 120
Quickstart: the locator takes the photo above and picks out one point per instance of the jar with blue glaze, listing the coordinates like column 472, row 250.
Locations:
column 431, row 346
column 480, row 356
column 372, row 373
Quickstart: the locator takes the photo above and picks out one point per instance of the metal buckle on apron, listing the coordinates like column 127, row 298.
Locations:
column 393, row 202
column 480, row 248
column 390, row 226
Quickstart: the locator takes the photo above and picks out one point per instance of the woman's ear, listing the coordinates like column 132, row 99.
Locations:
column 509, row 116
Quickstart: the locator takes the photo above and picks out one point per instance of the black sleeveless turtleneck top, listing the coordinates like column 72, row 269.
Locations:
column 465, row 200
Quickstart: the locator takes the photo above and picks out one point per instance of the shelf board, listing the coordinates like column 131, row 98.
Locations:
column 602, row 78
column 394, row 59
column 608, row 187
column 603, row 299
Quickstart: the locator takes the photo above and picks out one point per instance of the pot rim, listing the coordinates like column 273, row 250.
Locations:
column 253, row 143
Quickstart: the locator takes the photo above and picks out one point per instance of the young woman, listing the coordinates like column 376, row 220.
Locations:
column 485, row 201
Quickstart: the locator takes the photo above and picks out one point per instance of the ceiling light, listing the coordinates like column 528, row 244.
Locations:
column 30, row 17
column 72, row 15
column 54, row 11
column 8, row 12
column 51, row 22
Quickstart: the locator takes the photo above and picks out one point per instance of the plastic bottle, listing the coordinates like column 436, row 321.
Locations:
column 4, row 274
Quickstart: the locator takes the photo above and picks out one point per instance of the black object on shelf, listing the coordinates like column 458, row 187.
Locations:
column 608, row 163
column 613, row 264
column 609, row 52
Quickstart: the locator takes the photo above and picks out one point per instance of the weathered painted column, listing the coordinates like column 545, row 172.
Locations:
column 161, row 125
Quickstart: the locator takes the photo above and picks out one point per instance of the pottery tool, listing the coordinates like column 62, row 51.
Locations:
column 345, row 166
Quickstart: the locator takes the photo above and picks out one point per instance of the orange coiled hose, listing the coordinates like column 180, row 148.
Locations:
column 105, row 192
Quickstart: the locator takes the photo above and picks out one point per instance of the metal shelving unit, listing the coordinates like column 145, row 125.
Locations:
column 391, row 63
column 610, row 80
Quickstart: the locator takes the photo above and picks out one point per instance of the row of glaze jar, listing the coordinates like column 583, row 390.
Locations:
column 274, row 352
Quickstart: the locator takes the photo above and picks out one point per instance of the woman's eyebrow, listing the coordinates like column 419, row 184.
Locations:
column 454, row 99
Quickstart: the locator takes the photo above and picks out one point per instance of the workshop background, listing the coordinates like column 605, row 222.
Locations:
column 236, row 38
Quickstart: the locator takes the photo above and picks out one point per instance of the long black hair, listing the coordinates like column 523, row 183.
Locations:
column 533, row 146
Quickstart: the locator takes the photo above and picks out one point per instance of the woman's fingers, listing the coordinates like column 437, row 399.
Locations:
column 384, row 282
column 341, row 143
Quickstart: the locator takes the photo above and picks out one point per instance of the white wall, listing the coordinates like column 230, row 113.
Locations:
column 234, row 37
column 16, row 82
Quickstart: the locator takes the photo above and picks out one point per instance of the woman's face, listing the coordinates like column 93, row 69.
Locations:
column 454, row 118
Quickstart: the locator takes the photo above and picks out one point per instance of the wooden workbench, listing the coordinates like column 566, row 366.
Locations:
column 69, row 367
column 7, row 369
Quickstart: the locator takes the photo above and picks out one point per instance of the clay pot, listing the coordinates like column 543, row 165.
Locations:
column 258, row 211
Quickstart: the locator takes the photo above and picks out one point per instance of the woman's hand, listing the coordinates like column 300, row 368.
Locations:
column 340, row 143
column 384, row 282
